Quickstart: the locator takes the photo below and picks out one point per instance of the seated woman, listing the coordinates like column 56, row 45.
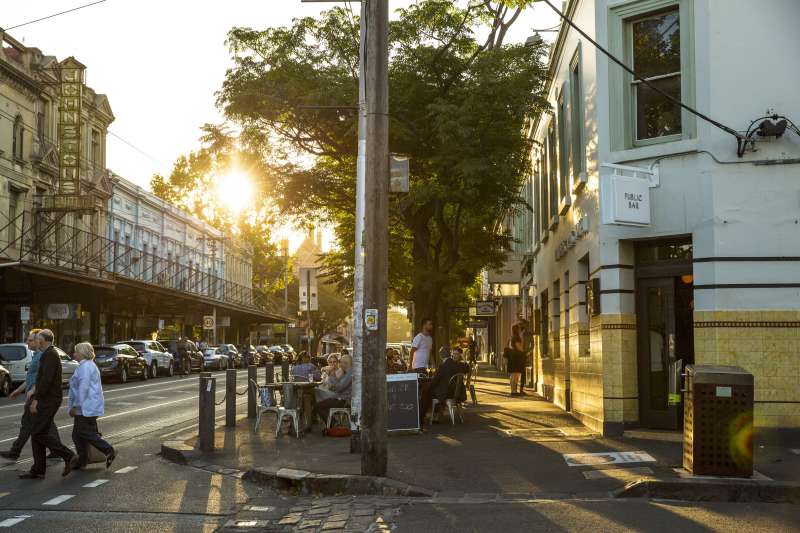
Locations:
column 305, row 370
column 338, row 393
column 394, row 363
column 332, row 372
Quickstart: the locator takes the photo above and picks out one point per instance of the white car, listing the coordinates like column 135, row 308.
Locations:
column 68, row 365
column 157, row 357
column 214, row 359
column 16, row 357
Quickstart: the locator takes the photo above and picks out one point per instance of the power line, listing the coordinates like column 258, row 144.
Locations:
column 154, row 159
column 739, row 137
column 55, row 15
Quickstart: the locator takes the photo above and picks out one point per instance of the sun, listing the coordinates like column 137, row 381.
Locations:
column 235, row 191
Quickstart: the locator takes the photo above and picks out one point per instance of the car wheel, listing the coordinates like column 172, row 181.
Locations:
column 123, row 375
column 171, row 369
column 153, row 370
column 5, row 388
column 145, row 373
column 219, row 364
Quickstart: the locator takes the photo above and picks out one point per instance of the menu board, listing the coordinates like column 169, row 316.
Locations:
column 402, row 399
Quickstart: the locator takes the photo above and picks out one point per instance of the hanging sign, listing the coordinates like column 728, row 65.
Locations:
column 624, row 200
column 308, row 289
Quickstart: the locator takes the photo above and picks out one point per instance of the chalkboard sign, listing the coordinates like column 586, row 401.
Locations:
column 402, row 399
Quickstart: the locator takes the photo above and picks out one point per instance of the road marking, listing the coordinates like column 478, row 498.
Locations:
column 8, row 522
column 259, row 508
column 123, row 404
column 95, row 483
column 59, row 499
column 606, row 458
column 156, row 397
column 126, row 470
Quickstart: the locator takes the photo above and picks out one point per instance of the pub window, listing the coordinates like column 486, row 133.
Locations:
column 18, row 138
column 563, row 156
column 576, row 122
column 544, row 338
column 544, row 210
column 96, row 152
column 537, row 201
column 553, row 177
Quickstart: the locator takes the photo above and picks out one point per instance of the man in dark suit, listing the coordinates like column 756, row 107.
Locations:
column 44, row 407
column 441, row 386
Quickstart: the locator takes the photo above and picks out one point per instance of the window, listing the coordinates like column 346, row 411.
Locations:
column 553, row 177
column 13, row 205
column 17, row 142
column 544, row 304
column 576, row 122
column 537, row 202
column 556, row 302
column 96, row 152
column 655, row 38
column 563, row 157
column 544, row 209
column 655, row 49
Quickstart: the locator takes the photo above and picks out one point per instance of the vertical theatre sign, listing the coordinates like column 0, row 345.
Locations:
column 68, row 195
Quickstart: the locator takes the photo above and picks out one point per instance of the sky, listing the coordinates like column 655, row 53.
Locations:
column 160, row 62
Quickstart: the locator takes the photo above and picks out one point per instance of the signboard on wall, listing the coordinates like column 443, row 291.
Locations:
column 624, row 200
column 308, row 289
column 485, row 308
column 61, row 311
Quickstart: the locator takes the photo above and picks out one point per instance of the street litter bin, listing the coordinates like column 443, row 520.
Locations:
column 718, row 421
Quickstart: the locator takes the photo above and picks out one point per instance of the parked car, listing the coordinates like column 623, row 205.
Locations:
column 250, row 355
column 287, row 348
column 120, row 361
column 16, row 357
column 264, row 354
column 157, row 357
column 233, row 354
column 214, row 358
column 5, row 381
column 278, row 354
column 68, row 366
column 192, row 351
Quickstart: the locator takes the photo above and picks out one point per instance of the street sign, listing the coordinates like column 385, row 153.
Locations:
column 209, row 322
column 308, row 289
column 485, row 308
column 24, row 314
column 459, row 309
column 475, row 324
column 398, row 173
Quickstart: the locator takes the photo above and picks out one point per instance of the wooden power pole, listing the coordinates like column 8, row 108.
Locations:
column 376, row 237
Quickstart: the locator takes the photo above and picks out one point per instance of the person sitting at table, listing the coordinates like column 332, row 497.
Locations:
column 305, row 370
column 338, row 393
column 440, row 386
column 394, row 364
column 332, row 372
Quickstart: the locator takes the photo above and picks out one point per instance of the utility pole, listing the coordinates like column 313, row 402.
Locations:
column 285, row 248
column 308, row 312
column 358, row 272
column 376, row 236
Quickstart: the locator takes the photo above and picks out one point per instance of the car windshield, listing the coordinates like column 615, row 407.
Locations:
column 138, row 346
column 210, row 351
column 276, row 349
column 13, row 353
column 104, row 352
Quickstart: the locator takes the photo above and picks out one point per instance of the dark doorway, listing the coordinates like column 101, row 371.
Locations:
column 665, row 327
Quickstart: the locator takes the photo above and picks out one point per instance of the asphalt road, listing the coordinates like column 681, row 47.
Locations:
column 140, row 492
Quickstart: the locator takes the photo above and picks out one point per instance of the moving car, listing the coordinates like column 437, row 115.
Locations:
column 214, row 358
column 15, row 357
column 120, row 361
column 157, row 357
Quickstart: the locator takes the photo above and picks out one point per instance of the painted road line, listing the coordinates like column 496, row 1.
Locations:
column 259, row 508
column 95, row 483
column 58, row 500
column 156, row 397
column 607, row 458
column 8, row 522
column 126, row 470
column 123, row 404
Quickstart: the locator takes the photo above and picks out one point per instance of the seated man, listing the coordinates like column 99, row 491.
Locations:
column 305, row 370
column 440, row 386
column 338, row 394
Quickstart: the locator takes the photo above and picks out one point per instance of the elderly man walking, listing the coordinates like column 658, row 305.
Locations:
column 29, row 388
column 44, row 406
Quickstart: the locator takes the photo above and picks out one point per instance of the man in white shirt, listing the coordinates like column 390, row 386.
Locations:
column 421, row 347
column 85, row 404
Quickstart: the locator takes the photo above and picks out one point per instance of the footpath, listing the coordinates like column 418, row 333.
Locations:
column 507, row 449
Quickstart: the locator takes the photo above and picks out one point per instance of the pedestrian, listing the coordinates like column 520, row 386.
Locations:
column 516, row 359
column 28, row 387
column 421, row 347
column 85, row 404
column 44, row 406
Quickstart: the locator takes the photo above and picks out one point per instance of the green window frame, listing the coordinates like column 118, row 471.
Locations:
column 577, row 118
column 564, row 197
column 621, row 84
column 552, row 163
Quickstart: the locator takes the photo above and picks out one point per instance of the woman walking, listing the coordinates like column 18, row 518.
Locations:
column 85, row 404
column 516, row 360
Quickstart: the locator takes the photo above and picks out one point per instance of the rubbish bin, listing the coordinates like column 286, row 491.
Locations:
column 718, row 421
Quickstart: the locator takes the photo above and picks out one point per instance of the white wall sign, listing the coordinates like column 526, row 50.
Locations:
column 24, row 314
column 625, row 200
column 485, row 308
column 308, row 289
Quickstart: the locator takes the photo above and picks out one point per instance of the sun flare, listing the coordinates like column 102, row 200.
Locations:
column 235, row 191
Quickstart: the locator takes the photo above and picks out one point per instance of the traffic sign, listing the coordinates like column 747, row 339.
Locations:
column 209, row 322
column 24, row 314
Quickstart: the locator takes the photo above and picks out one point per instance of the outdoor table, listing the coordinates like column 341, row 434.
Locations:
column 290, row 390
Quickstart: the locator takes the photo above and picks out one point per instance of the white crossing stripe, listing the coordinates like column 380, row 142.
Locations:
column 95, row 483
column 123, row 404
column 156, row 397
column 259, row 508
column 59, row 499
column 8, row 522
column 126, row 470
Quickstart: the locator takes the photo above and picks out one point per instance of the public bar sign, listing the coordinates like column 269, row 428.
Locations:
column 485, row 308
column 625, row 200
column 69, row 126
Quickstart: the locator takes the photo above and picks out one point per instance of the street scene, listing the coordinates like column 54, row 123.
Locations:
column 399, row 265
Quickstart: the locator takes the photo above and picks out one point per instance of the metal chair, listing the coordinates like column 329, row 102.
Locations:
column 265, row 404
column 294, row 414
column 473, row 374
column 454, row 406
column 337, row 412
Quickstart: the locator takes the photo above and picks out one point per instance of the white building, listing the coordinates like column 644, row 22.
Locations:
column 695, row 256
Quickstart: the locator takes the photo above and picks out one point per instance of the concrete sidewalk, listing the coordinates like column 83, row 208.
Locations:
column 508, row 448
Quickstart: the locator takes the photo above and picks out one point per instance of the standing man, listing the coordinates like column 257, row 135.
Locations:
column 28, row 387
column 44, row 406
column 421, row 347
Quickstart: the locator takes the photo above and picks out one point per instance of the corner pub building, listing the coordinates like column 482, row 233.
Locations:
column 654, row 244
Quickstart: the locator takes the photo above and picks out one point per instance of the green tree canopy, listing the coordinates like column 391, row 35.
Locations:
column 458, row 106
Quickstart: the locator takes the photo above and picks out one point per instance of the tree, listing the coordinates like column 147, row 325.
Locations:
column 458, row 109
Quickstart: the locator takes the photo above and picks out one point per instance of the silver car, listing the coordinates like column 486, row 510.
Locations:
column 16, row 357
column 68, row 365
column 157, row 357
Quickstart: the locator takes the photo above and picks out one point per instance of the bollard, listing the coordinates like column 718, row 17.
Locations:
column 200, row 393
column 230, row 397
column 252, row 377
column 208, row 390
column 285, row 371
column 270, row 377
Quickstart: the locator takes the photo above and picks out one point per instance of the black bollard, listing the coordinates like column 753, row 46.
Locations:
column 208, row 389
column 252, row 392
column 200, row 393
column 285, row 371
column 230, row 397
column 270, row 369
